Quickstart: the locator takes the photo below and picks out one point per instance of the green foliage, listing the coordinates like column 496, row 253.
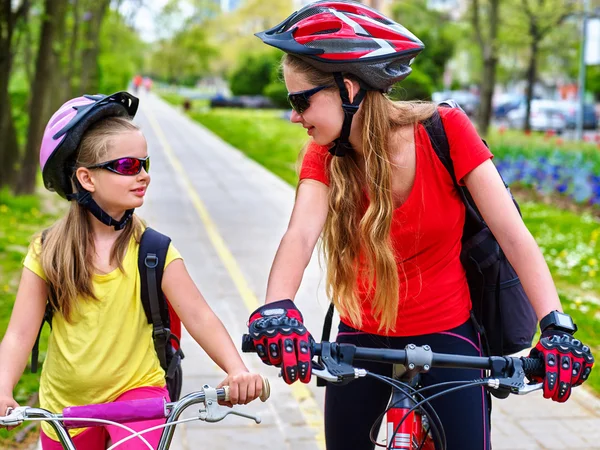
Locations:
column 276, row 89
column 254, row 73
column 184, row 58
column 593, row 80
column 121, row 54
column 570, row 246
column 438, row 34
column 417, row 86
column 262, row 135
column 20, row 218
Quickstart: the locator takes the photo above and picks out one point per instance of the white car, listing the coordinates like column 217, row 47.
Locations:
column 545, row 115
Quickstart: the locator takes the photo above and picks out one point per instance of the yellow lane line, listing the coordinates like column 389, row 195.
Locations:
column 308, row 406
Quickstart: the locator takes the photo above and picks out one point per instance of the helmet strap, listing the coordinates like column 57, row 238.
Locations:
column 341, row 146
column 84, row 198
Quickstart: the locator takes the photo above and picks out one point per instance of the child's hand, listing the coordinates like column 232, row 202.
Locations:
column 7, row 401
column 243, row 387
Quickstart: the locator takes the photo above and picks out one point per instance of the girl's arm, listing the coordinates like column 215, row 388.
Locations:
column 209, row 332
column 297, row 245
column 499, row 212
column 25, row 321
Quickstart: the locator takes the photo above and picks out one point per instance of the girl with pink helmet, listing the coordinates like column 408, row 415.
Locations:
column 85, row 266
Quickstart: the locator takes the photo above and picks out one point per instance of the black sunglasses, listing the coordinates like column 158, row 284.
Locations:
column 125, row 166
column 300, row 101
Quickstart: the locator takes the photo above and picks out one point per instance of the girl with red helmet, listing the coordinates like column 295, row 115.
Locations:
column 101, row 347
column 391, row 222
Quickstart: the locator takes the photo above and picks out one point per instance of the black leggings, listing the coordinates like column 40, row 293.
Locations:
column 351, row 410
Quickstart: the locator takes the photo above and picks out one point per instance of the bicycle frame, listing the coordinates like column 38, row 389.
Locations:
column 401, row 433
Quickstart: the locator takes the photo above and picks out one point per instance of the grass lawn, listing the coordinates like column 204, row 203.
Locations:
column 20, row 218
column 569, row 241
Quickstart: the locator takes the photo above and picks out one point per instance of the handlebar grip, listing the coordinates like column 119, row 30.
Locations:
column 248, row 344
column 533, row 366
column 226, row 389
column 266, row 390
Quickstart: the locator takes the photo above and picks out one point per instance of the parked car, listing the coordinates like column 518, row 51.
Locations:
column 506, row 103
column 590, row 118
column 242, row 101
column 545, row 115
column 468, row 101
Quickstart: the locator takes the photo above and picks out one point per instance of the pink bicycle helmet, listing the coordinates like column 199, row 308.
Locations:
column 345, row 36
column 66, row 127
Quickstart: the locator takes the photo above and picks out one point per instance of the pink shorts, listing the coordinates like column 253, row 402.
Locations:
column 96, row 438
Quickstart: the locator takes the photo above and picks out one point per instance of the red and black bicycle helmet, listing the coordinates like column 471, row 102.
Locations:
column 346, row 36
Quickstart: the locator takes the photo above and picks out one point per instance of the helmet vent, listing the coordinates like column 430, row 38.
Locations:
column 329, row 31
column 308, row 13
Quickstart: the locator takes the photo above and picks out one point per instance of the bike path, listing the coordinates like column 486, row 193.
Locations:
column 226, row 215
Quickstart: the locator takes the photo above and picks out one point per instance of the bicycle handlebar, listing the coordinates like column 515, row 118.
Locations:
column 337, row 358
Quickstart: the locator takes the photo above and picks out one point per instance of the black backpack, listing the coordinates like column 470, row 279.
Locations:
column 501, row 313
column 501, row 310
column 166, row 325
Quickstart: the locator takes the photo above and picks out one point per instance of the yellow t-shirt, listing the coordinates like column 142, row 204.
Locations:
column 107, row 349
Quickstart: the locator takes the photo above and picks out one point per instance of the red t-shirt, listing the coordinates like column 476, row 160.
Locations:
column 426, row 232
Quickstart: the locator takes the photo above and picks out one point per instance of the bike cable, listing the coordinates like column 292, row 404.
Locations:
column 434, row 396
column 434, row 420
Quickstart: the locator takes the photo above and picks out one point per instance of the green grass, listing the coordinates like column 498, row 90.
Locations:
column 20, row 218
column 569, row 243
column 262, row 135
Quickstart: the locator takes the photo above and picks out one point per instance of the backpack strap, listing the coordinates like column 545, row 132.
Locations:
column 439, row 141
column 151, row 263
column 48, row 313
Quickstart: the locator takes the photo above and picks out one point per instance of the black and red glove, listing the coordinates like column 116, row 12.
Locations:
column 568, row 363
column 282, row 340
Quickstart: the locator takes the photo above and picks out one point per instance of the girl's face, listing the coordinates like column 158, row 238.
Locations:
column 324, row 117
column 116, row 193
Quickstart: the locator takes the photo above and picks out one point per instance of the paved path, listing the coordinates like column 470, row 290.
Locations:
column 226, row 215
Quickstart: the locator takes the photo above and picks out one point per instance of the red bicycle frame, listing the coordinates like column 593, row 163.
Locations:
column 405, row 433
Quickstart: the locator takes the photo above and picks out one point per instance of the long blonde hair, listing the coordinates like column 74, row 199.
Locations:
column 343, row 245
column 67, row 252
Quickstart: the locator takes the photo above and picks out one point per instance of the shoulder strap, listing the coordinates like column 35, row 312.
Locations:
column 35, row 351
column 439, row 141
column 151, row 263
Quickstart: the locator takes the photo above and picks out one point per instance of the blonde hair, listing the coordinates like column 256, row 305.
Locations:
column 346, row 235
column 67, row 254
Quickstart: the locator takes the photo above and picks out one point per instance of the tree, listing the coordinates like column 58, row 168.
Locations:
column 93, row 14
column 532, row 22
column 488, row 47
column 254, row 73
column 54, row 14
column 9, row 149
column 438, row 34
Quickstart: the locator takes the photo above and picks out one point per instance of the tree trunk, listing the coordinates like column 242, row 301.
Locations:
column 486, row 95
column 9, row 149
column 71, row 88
column 40, row 94
column 488, row 49
column 89, row 56
column 531, row 78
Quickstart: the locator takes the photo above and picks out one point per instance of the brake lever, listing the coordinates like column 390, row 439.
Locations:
column 530, row 388
column 14, row 416
column 212, row 412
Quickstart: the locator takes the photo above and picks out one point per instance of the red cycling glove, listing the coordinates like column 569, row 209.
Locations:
column 282, row 340
column 568, row 363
